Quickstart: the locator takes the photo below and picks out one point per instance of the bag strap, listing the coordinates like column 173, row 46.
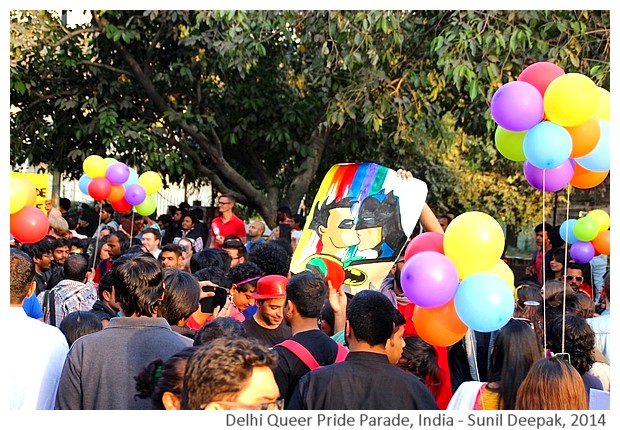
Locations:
column 342, row 353
column 301, row 352
column 52, row 307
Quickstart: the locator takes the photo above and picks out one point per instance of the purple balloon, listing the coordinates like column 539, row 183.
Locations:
column 135, row 194
column 517, row 106
column 554, row 179
column 429, row 279
column 117, row 173
column 581, row 252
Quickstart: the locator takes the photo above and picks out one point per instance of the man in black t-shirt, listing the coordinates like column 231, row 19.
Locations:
column 266, row 324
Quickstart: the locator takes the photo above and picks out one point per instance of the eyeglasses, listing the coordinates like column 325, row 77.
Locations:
column 183, row 248
column 276, row 405
column 576, row 278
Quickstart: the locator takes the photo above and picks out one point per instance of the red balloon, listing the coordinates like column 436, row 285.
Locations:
column 428, row 241
column 121, row 205
column 29, row 225
column 540, row 75
column 335, row 273
column 99, row 188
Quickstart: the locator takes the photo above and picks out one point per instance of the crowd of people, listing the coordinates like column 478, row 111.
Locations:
column 124, row 311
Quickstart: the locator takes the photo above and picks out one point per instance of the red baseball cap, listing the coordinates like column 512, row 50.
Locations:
column 271, row 287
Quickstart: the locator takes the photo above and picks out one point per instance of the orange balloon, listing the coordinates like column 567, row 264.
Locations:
column 440, row 326
column 601, row 242
column 584, row 178
column 585, row 137
column 117, row 192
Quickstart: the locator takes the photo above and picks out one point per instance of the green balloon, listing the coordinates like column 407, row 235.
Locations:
column 147, row 207
column 585, row 229
column 510, row 143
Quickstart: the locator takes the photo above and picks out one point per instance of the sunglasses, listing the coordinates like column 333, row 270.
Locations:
column 576, row 278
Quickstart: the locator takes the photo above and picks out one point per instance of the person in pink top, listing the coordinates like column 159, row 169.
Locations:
column 227, row 223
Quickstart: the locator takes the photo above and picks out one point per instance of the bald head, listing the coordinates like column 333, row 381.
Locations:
column 256, row 229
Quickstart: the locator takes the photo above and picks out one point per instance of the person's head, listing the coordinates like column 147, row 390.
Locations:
column 184, row 206
column 22, row 276
column 171, row 256
column 162, row 381
column 60, row 250
column 335, row 223
column 104, row 292
column 305, row 295
column 444, row 220
column 226, row 203
column 327, row 319
column 420, row 358
column 107, row 212
column 221, row 327
column 118, row 244
column 151, row 237
column 583, row 305
column 235, row 248
column 370, row 320
column 395, row 344
column 283, row 214
column 542, row 238
column 59, row 227
column 78, row 246
column 178, row 214
column 573, row 335
column 88, row 221
column 72, row 218
column 552, row 384
column 76, row 267
column 188, row 221
column 181, row 298
column 270, row 296
column 138, row 285
column 64, row 204
column 271, row 258
column 41, row 253
column 379, row 222
column 574, row 275
column 299, row 221
column 396, row 271
column 256, row 229
column 164, row 221
column 187, row 249
column 210, row 258
column 557, row 260
column 138, row 223
column 231, row 374
column 198, row 213
column 243, row 279
column 79, row 323
column 553, row 288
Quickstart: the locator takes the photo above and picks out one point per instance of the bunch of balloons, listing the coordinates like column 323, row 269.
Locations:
column 458, row 279
column 588, row 236
column 557, row 123
column 29, row 224
column 112, row 180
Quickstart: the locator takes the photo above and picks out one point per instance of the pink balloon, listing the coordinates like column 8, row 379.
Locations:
column 540, row 75
column 429, row 279
column 554, row 179
column 517, row 106
column 428, row 241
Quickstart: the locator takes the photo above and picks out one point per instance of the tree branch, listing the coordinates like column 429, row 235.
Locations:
column 108, row 67
column 74, row 33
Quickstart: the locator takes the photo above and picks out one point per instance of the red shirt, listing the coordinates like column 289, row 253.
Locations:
column 235, row 226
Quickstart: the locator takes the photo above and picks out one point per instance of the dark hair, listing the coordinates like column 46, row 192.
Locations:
column 197, row 212
column 138, row 285
column 22, row 274
column 171, row 247
column 271, row 258
column 92, row 218
column 215, row 275
column 399, row 319
column 184, row 206
column 79, row 323
column 75, row 267
column 166, row 219
column 229, row 196
column 515, row 350
column 242, row 272
column 122, row 238
column 384, row 213
column 420, row 358
column 234, row 242
column 105, row 284
column 80, row 243
column 161, row 376
column 548, row 227
column 155, row 232
column 300, row 219
column 220, row 369
column 321, row 212
column 308, row 292
column 575, row 266
column 222, row 327
column 181, row 298
column 583, row 305
column 72, row 219
column 210, row 258
column 190, row 216
column 108, row 208
column 558, row 254
column 579, row 340
column 371, row 317
column 37, row 249
column 64, row 203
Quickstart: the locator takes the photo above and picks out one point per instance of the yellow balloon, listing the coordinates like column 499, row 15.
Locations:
column 474, row 242
column 601, row 217
column 19, row 194
column 571, row 99
column 501, row 269
column 151, row 181
column 94, row 166
column 604, row 102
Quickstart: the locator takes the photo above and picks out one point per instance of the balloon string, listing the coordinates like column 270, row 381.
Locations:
column 544, row 259
column 95, row 257
column 131, row 228
column 565, row 268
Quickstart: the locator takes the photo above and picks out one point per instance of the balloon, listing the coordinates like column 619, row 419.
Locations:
column 517, row 106
column 117, row 173
column 601, row 217
column 19, row 194
column 151, row 182
column 474, row 242
column 439, row 326
column 135, row 194
column 504, row 271
column 586, row 229
column 117, row 192
column 429, row 279
column 484, row 302
column 585, row 137
column 133, row 178
column 547, row 145
column 601, row 242
column 571, row 99
column 29, row 225
column 581, row 252
column 110, row 160
column 510, row 143
column 598, row 160
column 99, row 188
column 540, row 75
column 584, row 178
column 427, row 241
column 567, row 231
column 94, row 166
column 327, row 267
column 549, row 180
column 30, row 190
column 149, row 205
column 83, row 183
column 121, row 205
column 602, row 111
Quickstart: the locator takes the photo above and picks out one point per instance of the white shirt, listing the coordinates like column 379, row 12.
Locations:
column 36, row 353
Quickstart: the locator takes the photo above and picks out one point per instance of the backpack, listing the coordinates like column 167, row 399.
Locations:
column 306, row 357
column 80, row 299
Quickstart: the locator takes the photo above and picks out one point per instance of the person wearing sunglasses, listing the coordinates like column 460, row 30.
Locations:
column 574, row 277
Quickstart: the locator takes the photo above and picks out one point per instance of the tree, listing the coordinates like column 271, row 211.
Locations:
column 262, row 103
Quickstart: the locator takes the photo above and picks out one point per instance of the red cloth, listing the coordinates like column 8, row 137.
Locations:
column 445, row 388
column 235, row 226
column 586, row 288
column 102, row 268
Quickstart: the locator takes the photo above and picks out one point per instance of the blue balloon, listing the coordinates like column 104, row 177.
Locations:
column 567, row 231
column 83, row 184
column 547, row 145
column 484, row 302
column 133, row 178
column 598, row 160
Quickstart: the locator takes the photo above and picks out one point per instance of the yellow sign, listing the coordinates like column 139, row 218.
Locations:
column 41, row 184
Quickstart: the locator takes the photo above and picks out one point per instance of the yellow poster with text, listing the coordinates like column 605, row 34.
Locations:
column 41, row 183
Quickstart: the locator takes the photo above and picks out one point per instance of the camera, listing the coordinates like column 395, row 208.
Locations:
column 208, row 304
